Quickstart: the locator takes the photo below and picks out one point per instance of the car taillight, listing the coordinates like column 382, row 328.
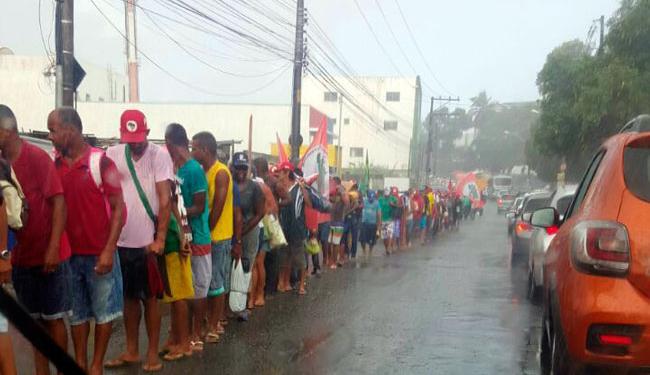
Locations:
column 552, row 230
column 601, row 248
column 612, row 339
column 523, row 226
column 500, row 201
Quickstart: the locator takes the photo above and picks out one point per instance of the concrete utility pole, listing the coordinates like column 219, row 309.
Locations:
column 296, row 139
column 64, row 26
column 435, row 131
column 339, row 150
column 602, row 34
column 132, row 51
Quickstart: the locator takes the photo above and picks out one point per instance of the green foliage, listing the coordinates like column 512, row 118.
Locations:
column 587, row 98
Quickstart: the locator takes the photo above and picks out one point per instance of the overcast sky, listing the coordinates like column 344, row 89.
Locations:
column 471, row 45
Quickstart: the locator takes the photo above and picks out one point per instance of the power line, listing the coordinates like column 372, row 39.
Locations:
column 417, row 47
column 48, row 51
column 167, row 72
column 390, row 59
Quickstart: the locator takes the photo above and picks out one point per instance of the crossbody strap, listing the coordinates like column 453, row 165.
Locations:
column 136, row 182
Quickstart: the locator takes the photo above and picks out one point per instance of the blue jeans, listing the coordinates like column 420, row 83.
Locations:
column 94, row 296
column 221, row 260
column 4, row 324
column 351, row 229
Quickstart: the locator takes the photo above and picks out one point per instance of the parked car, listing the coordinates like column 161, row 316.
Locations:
column 504, row 201
column 523, row 228
column 541, row 238
column 596, row 295
column 513, row 212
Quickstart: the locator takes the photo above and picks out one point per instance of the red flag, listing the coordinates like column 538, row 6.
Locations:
column 315, row 167
column 282, row 153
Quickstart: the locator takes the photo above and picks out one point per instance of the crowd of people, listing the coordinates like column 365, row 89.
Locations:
column 97, row 235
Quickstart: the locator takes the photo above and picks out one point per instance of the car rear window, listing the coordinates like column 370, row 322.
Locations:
column 536, row 203
column 636, row 168
column 563, row 203
column 507, row 197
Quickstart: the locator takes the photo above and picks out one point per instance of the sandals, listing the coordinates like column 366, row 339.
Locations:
column 152, row 368
column 212, row 338
column 197, row 346
column 119, row 362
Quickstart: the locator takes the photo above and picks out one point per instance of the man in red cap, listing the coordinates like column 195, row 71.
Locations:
column 292, row 219
column 146, row 170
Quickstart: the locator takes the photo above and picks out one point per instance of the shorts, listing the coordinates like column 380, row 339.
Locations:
column 293, row 256
column 409, row 226
column 4, row 324
column 221, row 259
column 45, row 296
column 423, row 222
column 264, row 245
column 324, row 232
column 397, row 227
column 387, row 230
column 135, row 274
column 336, row 234
column 250, row 244
column 95, row 297
column 179, row 277
column 201, row 274
column 368, row 234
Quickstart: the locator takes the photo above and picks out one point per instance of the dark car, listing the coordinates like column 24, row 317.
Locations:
column 523, row 230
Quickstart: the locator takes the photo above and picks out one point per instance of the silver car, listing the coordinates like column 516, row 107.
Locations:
column 540, row 239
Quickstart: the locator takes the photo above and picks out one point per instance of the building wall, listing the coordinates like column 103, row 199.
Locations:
column 386, row 148
column 101, row 100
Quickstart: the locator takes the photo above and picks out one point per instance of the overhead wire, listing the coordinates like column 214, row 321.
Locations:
column 419, row 50
column 169, row 73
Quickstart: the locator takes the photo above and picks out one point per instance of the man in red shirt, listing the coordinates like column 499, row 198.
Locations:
column 93, row 196
column 41, row 271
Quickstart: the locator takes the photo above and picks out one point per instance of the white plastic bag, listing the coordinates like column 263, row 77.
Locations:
column 239, row 284
column 273, row 231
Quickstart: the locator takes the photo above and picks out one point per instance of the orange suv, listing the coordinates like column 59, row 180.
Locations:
column 597, row 268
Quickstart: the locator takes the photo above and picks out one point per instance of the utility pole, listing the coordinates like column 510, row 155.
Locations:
column 602, row 34
column 339, row 150
column 64, row 25
column 298, row 57
column 132, row 51
column 429, row 144
column 435, row 131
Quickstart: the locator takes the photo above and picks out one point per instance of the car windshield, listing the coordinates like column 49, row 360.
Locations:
column 325, row 186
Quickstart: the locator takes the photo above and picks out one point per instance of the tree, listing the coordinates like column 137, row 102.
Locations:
column 586, row 98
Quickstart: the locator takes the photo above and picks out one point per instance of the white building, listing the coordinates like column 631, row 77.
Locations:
column 384, row 131
column 28, row 88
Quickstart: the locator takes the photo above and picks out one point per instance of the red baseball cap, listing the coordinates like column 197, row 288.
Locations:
column 285, row 166
column 133, row 126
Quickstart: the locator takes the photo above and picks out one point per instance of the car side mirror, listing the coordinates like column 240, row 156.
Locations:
column 545, row 218
column 526, row 217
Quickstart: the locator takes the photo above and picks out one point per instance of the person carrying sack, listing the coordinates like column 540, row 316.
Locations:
column 143, row 239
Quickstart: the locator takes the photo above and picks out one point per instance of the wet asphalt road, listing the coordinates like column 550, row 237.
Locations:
column 453, row 307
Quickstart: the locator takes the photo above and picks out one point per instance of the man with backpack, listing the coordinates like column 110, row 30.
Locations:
column 95, row 208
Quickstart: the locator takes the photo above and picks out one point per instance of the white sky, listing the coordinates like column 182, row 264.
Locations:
column 471, row 45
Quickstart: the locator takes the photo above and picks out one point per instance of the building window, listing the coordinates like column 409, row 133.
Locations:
column 390, row 125
column 346, row 121
column 356, row 152
column 330, row 96
column 392, row 96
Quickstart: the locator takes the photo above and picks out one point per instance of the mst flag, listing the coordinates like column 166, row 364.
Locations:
column 314, row 165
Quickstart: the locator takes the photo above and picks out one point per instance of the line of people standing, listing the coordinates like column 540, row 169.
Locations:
column 110, row 233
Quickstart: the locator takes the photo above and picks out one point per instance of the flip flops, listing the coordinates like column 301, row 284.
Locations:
column 152, row 368
column 119, row 362
column 212, row 338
